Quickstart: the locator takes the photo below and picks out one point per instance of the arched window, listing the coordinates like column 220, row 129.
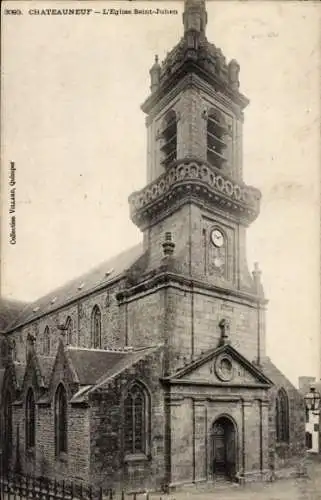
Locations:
column 136, row 413
column 46, row 342
column 169, row 136
column 216, row 132
column 30, row 420
column 69, row 331
column 7, row 431
column 282, row 416
column 61, row 423
column 14, row 351
column 96, row 328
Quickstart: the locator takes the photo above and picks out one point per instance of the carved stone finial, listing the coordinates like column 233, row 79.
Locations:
column 194, row 16
column 225, row 330
column 168, row 245
column 256, row 273
column 233, row 74
column 155, row 72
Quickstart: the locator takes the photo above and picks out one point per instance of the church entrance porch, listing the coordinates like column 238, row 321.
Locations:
column 224, row 448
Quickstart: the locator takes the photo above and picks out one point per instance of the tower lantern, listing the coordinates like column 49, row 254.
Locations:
column 194, row 16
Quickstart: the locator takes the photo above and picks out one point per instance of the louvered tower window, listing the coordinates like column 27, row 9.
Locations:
column 216, row 134
column 169, row 136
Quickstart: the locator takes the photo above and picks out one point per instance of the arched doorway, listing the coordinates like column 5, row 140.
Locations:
column 224, row 448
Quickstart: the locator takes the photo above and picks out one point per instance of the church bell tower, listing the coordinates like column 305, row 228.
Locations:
column 195, row 182
column 195, row 193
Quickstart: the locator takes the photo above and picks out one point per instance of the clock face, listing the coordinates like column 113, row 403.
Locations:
column 217, row 238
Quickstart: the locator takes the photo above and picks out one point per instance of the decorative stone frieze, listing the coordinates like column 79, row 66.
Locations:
column 186, row 177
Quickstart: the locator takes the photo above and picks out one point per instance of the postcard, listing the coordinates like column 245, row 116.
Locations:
column 160, row 248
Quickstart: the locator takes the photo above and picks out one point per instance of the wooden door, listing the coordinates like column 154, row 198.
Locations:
column 223, row 448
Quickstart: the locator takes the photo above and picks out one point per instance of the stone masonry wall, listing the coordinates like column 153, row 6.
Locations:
column 193, row 323
column 145, row 319
column 80, row 313
column 191, row 422
column 286, row 458
column 109, row 466
column 42, row 460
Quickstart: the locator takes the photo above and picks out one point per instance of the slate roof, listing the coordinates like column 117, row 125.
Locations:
column 117, row 363
column 277, row 377
column 104, row 274
column 91, row 364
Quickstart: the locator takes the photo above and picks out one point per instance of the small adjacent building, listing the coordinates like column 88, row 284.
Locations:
column 151, row 370
column 312, row 415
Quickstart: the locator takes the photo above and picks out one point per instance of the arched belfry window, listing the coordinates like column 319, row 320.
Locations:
column 30, row 420
column 282, row 417
column 169, row 136
column 46, row 342
column 96, row 328
column 137, row 417
column 69, row 327
column 61, row 422
column 216, row 139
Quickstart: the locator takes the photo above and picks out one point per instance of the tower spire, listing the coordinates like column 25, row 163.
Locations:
column 194, row 16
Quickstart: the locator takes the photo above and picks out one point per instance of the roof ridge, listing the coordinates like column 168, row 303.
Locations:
column 109, row 349
column 95, row 278
column 103, row 378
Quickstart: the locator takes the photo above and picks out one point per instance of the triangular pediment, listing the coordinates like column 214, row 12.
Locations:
column 223, row 365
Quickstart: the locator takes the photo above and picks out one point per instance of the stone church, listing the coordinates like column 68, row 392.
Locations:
column 150, row 370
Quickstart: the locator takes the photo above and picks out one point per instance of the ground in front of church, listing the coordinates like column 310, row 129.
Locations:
column 288, row 489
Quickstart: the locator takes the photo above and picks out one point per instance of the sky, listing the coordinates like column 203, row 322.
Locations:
column 72, row 87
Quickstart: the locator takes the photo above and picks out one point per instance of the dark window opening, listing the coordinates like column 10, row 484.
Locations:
column 61, row 420
column 14, row 351
column 69, row 331
column 46, row 342
column 30, row 420
column 136, row 412
column 308, row 440
column 96, row 328
column 282, row 417
column 6, row 437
